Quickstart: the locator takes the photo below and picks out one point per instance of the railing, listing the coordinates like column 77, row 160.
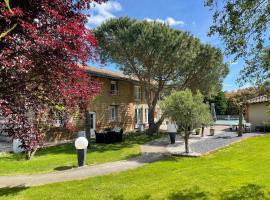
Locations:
column 227, row 117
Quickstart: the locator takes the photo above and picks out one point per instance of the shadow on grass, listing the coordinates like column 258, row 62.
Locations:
column 121, row 197
column 189, row 194
column 12, row 191
column 250, row 192
column 129, row 141
column 62, row 168
column 245, row 192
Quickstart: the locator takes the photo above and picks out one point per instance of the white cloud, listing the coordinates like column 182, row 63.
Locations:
column 169, row 20
column 233, row 63
column 102, row 12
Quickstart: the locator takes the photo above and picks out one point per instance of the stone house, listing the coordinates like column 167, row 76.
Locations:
column 121, row 103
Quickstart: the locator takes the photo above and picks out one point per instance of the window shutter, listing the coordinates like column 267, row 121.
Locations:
column 109, row 113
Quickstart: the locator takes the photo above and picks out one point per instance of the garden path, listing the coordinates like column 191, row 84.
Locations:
column 153, row 151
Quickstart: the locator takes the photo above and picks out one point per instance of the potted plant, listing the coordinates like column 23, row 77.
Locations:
column 197, row 131
column 172, row 137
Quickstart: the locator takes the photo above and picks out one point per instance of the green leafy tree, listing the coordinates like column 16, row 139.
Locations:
column 260, row 64
column 243, row 25
column 220, row 103
column 188, row 111
column 160, row 57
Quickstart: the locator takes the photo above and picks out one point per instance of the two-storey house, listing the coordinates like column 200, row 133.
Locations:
column 121, row 102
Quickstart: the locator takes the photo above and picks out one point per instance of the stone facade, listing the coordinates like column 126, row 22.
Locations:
column 120, row 104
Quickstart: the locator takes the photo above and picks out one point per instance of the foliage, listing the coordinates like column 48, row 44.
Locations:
column 160, row 57
column 186, row 110
column 235, row 97
column 5, row 6
column 220, row 103
column 243, row 25
column 259, row 67
column 229, row 174
column 39, row 63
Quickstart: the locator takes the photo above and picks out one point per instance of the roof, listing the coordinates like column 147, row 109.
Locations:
column 104, row 73
column 259, row 99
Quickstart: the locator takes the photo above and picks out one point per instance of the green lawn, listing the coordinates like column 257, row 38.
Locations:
column 62, row 157
column 239, row 172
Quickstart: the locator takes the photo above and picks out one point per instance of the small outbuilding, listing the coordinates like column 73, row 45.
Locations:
column 257, row 113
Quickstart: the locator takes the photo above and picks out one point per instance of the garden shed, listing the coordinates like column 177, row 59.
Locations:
column 257, row 113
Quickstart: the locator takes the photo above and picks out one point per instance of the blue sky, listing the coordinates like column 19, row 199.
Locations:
column 188, row 15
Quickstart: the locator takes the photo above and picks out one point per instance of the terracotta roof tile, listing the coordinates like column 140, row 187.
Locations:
column 259, row 99
column 101, row 72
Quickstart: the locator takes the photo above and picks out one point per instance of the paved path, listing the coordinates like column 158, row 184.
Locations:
column 79, row 173
column 151, row 152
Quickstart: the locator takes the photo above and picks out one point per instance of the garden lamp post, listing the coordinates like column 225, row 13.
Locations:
column 81, row 144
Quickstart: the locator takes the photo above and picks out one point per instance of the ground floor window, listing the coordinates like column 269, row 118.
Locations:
column 113, row 113
column 146, row 115
column 138, row 115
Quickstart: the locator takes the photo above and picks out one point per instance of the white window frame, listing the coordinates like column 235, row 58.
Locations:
column 113, row 113
column 137, row 92
column 115, row 91
column 146, row 111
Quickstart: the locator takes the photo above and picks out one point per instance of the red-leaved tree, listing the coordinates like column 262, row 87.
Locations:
column 39, row 63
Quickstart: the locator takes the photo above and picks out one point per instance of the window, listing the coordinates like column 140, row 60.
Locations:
column 138, row 117
column 146, row 115
column 114, row 88
column 113, row 113
column 137, row 92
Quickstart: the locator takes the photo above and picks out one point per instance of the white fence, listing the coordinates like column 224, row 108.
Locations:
column 227, row 117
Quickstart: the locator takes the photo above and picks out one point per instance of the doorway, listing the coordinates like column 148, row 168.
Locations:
column 92, row 118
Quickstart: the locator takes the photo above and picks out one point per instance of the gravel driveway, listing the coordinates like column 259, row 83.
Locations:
column 218, row 141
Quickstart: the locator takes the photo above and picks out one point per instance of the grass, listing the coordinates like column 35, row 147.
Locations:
column 238, row 172
column 63, row 156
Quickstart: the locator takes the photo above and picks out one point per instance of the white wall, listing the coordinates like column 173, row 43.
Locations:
column 258, row 114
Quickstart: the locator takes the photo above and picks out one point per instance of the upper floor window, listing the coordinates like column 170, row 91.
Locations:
column 114, row 89
column 137, row 92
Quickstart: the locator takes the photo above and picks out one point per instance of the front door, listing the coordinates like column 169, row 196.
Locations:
column 92, row 118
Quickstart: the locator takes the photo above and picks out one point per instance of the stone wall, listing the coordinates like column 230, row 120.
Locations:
column 59, row 134
column 124, row 100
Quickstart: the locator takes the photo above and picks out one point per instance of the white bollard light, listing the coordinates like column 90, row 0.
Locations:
column 81, row 144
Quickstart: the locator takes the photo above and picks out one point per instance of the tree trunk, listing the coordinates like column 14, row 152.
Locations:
column 240, row 130
column 186, row 141
column 153, row 127
column 186, row 138
column 87, row 127
column 202, row 133
column 30, row 154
